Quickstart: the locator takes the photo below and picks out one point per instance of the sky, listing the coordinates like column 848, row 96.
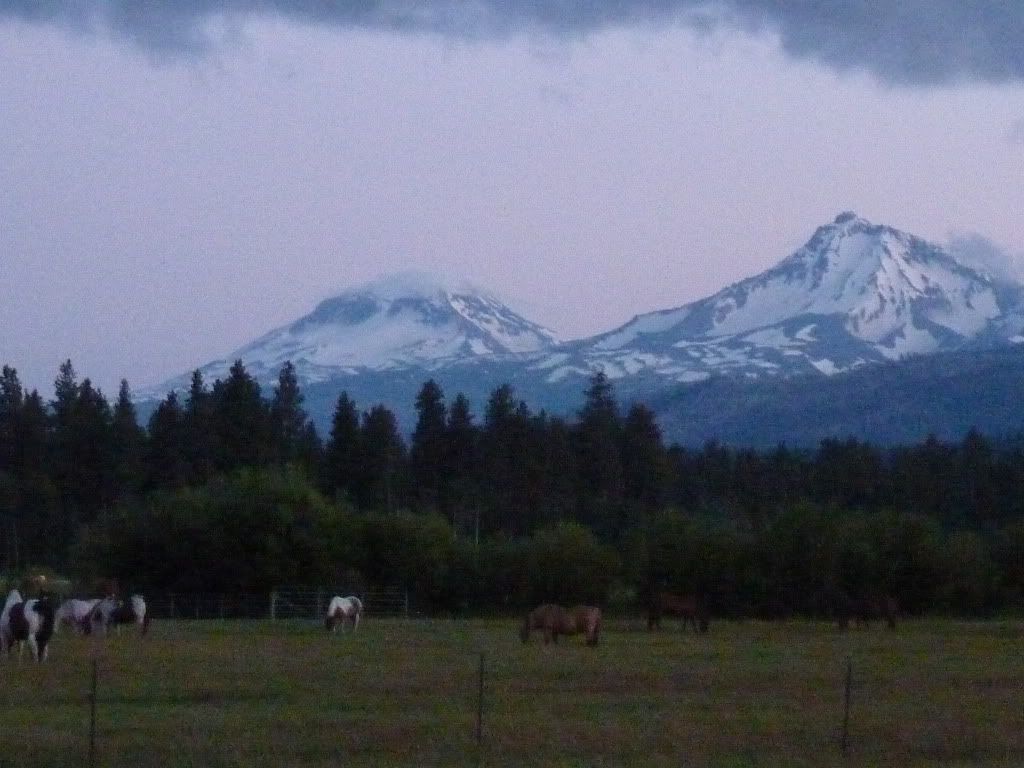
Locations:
column 177, row 177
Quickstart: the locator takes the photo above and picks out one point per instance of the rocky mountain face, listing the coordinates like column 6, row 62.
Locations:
column 857, row 293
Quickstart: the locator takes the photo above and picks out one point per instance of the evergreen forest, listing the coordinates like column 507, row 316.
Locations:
column 230, row 489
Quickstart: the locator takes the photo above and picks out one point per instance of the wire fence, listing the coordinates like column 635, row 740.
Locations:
column 281, row 603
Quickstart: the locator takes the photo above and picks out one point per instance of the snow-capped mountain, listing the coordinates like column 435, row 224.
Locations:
column 404, row 321
column 856, row 293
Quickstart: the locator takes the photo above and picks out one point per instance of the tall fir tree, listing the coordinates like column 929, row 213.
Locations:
column 200, row 437
column 380, row 484
column 598, row 437
column 463, row 438
column 342, row 454
column 644, row 460
column 11, row 402
column 428, row 458
column 241, row 421
column 287, row 418
column 127, row 445
column 167, row 459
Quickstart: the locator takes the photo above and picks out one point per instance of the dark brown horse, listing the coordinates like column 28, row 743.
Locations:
column 690, row 608
column 554, row 620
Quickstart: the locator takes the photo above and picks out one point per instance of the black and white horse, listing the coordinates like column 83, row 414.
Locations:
column 341, row 610
column 113, row 612
column 76, row 614
column 26, row 621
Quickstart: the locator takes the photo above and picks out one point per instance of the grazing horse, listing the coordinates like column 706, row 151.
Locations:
column 111, row 611
column 691, row 609
column 342, row 609
column 75, row 614
column 26, row 621
column 554, row 620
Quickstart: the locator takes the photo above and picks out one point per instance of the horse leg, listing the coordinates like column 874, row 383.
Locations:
column 355, row 621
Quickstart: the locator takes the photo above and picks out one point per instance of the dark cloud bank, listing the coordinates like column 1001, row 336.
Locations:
column 900, row 41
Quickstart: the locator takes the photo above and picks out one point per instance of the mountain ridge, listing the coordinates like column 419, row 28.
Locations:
column 855, row 295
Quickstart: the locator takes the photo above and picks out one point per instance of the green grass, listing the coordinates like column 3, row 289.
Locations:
column 404, row 693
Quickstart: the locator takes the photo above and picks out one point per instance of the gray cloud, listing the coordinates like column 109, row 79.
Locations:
column 908, row 42
column 981, row 253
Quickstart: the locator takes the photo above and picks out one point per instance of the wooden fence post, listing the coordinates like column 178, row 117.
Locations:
column 846, row 704
column 92, row 718
column 480, row 705
column 273, row 606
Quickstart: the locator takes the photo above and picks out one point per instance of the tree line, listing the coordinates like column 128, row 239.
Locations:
column 229, row 489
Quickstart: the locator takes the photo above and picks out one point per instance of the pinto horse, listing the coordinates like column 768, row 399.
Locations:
column 75, row 614
column 341, row 610
column 689, row 608
column 30, row 622
column 113, row 612
column 554, row 620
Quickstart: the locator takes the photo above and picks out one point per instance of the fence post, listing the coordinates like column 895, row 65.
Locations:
column 406, row 604
column 92, row 718
column 172, row 604
column 480, row 705
column 846, row 704
column 273, row 606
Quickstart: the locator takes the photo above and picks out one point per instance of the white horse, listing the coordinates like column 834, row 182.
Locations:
column 26, row 621
column 111, row 611
column 342, row 609
column 75, row 613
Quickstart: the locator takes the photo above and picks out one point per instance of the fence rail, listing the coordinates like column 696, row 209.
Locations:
column 281, row 603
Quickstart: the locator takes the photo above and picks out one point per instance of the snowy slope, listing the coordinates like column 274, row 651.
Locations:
column 400, row 322
column 856, row 293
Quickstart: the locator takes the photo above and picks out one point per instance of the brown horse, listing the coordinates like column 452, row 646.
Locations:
column 689, row 608
column 554, row 620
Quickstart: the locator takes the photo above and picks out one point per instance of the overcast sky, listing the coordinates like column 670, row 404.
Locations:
column 177, row 180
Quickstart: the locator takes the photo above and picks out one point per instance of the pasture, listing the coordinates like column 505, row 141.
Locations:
column 404, row 692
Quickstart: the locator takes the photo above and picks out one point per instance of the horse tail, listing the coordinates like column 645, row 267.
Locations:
column 146, row 620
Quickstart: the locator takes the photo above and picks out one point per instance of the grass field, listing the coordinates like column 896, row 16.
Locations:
column 405, row 693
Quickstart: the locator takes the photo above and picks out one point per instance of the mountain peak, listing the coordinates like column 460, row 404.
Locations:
column 413, row 284
column 854, row 293
column 847, row 216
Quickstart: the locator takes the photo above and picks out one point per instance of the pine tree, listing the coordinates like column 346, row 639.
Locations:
column 381, row 461
column 463, row 496
column 65, row 388
column 127, row 445
column 241, row 421
column 428, row 452
column 644, row 461
column 200, row 438
column 167, row 459
column 11, row 402
column 287, row 418
column 598, row 436
column 342, row 455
